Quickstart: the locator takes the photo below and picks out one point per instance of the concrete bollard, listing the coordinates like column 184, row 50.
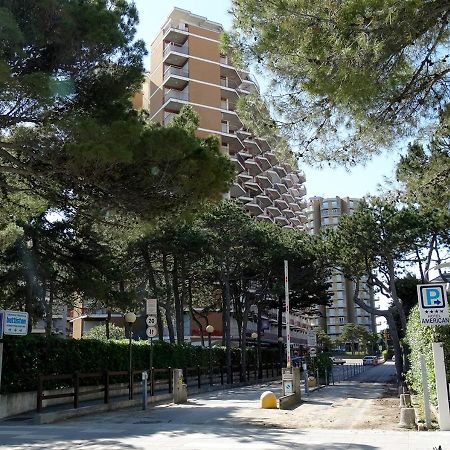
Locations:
column 407, row 418
column 268, row 400
column 405, row 400
column 179, row 388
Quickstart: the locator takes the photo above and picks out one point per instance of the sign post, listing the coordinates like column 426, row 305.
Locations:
column 2, row 316
column 433, row 309
column 288, row 328
column 151, row 308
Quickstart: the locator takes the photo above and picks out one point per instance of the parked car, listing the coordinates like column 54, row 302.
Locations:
column 370, row 361
column 337, row 360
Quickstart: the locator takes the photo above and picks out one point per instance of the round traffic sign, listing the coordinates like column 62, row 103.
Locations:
column 151, row 321
column 151, row 332
column 312, row 351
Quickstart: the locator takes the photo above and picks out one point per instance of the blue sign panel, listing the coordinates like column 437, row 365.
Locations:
column 16, row 323
column 433, row 305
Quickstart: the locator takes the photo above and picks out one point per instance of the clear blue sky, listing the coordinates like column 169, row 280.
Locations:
column 326, row 182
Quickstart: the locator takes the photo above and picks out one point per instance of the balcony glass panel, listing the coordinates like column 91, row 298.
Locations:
column 176, row 48
column 178, row 71
column 179, row 95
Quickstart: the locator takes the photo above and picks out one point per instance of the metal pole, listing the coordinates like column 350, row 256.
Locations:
column 130, row 386
column 210, row 360
column 426, row 392
column 151, row 364
column 1, row 362
column 288, row 329
column 144, row 390
column 305, row 371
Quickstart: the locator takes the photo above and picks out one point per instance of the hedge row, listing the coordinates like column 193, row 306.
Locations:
column 24, row 358
column 419, row 339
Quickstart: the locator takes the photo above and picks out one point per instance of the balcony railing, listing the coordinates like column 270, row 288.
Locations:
column 178, row 71
column 178, row 95
column 224, row 60
column 176, row 48
column 176, row 26
column 168, row 116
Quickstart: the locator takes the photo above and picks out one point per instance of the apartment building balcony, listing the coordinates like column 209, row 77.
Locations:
column 280, row 170
column 176, row 77
column 252, row 146
column 243, row 133
column 273, row 211
column 263, row 144
column 294, row 206
column 282, row 204
column 272, row 157
column 237, row 191
column 288, row 213
column 273, row 193
column 274, row 177
column 253, row 167
column 253, row 208
column 295, row 221
column 230, row 138
column 175, row 55
column 281, row 220
column 287, row 167
column 175, row 32
column 245, row 199
column 293, row 177
column 302, row 190
column 238, row 163
column 263, row 162
column 281, row 188
column 294, row 191
column 253, row 186
column 174, row 94
column 288, row 198
column 302, row 217
column 264, row 181
column 232, row 118
column 263, row 200
column 287, row 181
column 265, row 218
column 244, row 177
column 248, row 82
column 301, row 176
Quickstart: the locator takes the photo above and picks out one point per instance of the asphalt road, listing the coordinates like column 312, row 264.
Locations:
column 232, row 420
column 382, row 373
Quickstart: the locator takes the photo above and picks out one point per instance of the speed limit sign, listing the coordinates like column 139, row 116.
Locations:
column 151, row 321
column 151, row 332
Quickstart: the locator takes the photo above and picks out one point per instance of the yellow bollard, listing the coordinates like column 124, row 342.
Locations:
column 268, row 400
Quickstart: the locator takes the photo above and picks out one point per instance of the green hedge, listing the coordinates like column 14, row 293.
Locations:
column 419, row 339
column 24, row 358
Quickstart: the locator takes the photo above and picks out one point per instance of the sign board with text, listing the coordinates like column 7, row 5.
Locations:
column 312, row 339
column 15, row 323
column 433, row 304
column 151, row 306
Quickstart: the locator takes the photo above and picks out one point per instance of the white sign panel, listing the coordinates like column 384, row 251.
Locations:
column 15, row 323
column 151, row 332
column 312, row 351
column 151, row 306
column 312, row 339
column 151, row 321
column 288, row 388
column 433, row 304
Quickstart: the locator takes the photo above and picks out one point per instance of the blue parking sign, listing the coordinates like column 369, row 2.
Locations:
column 433, row 304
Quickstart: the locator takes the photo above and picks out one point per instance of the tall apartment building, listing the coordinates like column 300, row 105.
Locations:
column 326, row 212
column 188, row 68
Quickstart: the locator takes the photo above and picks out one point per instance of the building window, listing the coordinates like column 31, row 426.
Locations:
column 224, row 81
column 341, row 319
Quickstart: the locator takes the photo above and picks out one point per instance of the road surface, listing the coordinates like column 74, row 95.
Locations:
column 232, row 420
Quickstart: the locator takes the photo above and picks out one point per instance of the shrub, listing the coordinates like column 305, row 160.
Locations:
column 419, row 339
column 25, row 358
column 99, row 332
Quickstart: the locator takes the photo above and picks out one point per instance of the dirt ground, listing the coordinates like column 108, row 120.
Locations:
column 350, row 406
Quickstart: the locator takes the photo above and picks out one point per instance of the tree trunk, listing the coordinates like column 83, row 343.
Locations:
column 258, row 341
column 244, row 339
column 167, row 306
column 194, row 315
column 177, row 302
column 108, row 323
column 227, row 330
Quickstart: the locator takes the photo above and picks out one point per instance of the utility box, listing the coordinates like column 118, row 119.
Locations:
column 179, row 387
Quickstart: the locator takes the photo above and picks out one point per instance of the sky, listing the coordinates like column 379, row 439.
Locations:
column 327, row 182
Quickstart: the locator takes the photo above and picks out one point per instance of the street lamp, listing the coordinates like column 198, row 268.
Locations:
column 130, row 318
column 210, row 330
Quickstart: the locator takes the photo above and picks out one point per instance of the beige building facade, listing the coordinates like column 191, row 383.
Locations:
column 323, row 213
column 188, row 68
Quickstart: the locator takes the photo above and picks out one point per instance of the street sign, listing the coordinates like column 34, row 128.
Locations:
column 433, row 304
column 288, row 388
column 312, row 339
column 151, row 306
column 15, row 323
column 151, row 332
column 151, row 321
column 2, row 316
column 312, row 351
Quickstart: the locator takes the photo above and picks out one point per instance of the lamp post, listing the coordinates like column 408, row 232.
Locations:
column 130, row 318
column 210, row 330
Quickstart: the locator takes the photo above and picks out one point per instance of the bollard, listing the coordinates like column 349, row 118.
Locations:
column 407, row 418
column 144, row 390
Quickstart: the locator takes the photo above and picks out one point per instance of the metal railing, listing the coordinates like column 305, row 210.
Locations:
column 174, row 94
column 176, row 26
column 178, row 71
column 176, row 48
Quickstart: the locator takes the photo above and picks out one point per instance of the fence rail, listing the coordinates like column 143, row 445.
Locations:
column 159, row 381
